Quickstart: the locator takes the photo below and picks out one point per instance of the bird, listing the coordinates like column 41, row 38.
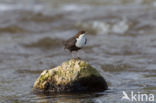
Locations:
column 76, row 42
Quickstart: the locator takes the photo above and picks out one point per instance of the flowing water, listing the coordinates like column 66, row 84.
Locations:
column 121, row 45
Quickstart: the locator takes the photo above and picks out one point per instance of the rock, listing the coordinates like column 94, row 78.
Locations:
column 72, row 76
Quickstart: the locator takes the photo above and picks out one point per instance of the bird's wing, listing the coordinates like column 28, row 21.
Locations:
column 70, row 42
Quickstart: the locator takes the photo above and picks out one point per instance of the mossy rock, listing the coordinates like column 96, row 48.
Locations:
column 72, row 76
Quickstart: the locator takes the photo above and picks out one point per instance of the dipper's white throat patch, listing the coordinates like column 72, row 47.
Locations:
column 81, row 41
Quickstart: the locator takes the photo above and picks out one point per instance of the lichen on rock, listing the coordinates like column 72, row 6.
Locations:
column 72, row 76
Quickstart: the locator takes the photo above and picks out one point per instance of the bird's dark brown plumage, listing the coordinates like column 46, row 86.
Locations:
column 79, row 33
column 70, row 43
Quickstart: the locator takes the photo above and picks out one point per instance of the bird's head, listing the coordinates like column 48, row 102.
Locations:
column 80, row 34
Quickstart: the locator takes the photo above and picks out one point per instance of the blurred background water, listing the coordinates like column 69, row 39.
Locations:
column 121, row 45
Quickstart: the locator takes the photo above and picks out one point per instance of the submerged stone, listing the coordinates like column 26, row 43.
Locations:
column 72, row 76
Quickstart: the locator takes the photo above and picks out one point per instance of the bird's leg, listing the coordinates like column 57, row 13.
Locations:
column 72, row 54
column 78, row 55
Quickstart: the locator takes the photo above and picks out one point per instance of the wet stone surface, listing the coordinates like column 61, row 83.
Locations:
column 73, row 76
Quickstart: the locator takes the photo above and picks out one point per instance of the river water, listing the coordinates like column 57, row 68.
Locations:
column 121, row 45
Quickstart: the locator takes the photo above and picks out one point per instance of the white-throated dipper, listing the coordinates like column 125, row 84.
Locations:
column 76, row 42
